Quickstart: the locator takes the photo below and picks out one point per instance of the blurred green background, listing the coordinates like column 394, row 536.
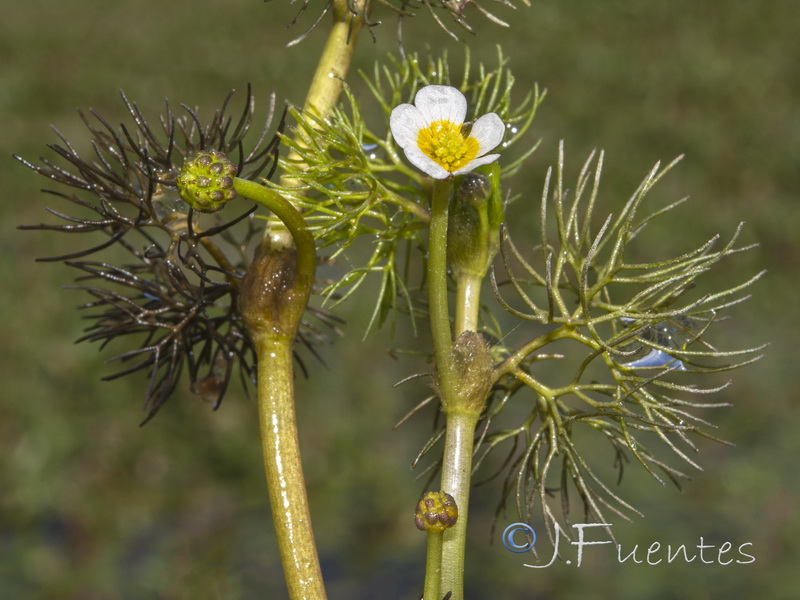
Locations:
column 94, row 507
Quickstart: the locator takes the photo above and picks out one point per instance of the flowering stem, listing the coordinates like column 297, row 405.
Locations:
column 461, row 420
column 459, row 440
column 437, row 288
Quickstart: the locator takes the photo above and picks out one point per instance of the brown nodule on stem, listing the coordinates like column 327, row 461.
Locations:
column 273, row 294
column 472, row 368
column 436, row 511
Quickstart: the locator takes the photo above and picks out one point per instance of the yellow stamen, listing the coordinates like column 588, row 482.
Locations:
column 445, row 144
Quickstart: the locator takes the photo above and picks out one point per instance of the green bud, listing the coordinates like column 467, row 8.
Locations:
column 206, row 181
column 473, row 234
column 436, row 511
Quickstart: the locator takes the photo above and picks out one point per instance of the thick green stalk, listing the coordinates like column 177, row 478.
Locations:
column 334, row 63
column 326, row 86
column 286, row 485
column 328, row 81
column 273, row 297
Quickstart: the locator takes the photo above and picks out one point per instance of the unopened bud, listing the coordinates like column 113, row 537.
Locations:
column 474, row 226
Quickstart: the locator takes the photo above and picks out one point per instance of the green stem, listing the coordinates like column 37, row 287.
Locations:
column 328, row 81
column 468, row 302
column 285, row 482
column 274, row 295
column 433, row 566
column 280, row 443
column 291, row 218
column 437, row 290
column 457, row 460
column 510, row 364
column 334, row 63
column 456, row 474
column 326, row 85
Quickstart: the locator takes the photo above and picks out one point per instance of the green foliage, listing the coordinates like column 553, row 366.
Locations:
column 352, row 183
column 581, row 289
column 638, row 331
column 338, row 182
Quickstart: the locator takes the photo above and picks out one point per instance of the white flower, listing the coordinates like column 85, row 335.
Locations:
column 431, row 132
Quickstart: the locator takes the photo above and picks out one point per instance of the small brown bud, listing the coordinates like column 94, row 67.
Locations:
column 436, row 511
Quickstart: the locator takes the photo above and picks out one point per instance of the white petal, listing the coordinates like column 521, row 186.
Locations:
column 405, row 122
column 424, row 163
column 441, row 103
column 489, row 131
column 478, row 162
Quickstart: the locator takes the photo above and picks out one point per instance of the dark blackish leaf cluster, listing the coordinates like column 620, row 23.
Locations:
column 162, row 278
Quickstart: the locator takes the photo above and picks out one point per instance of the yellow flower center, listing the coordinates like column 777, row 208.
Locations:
column 446, row 145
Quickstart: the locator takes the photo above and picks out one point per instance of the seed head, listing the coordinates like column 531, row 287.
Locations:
column 206, row 181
